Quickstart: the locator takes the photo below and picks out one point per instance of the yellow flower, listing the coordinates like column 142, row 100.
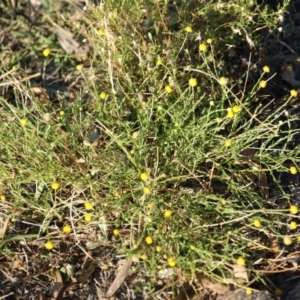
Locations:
column 294, row 209
column 116, row 232
column 193, row 82
column 188, row 29
column 249, row 292
column 149, row 240
column 256, row 223
column 168, row 89
column 293, row 170
column 79, row 67
column 88, row 218
column 2, row 197
column 209, row 41
column 55, row 186
column 293, row 225
column 88, row 205
column 287, row 240
column 136, row 134
column 46, row 52
column 262, row 84
column 150, row 205
column 101, row 31
column 144, row 176
column 67, row 229
column 230, row 113
column 143, row 257
column 294, row 93
column 223, row 80
column 266, row 69
column 211, row 103
column 218, row 120
column 146, row 190
column 203, row 47
column 228, row 143
column 23, row 122
column 158, row 249
column 236, row 109
column 223, row 202
column 159, row 62
column 240, row 261
column 192, row 247
column 171, row 262
column 61, row 113
column 102, row 95
column 168, row 213
column 49, row 245
column 298, row 238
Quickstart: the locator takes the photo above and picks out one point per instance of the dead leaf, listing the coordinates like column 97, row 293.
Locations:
column 119, row 278
column 240, row 272
column 69, row 44
column 216, row 287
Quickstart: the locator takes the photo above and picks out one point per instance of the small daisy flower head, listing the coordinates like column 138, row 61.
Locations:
column 67, row 229
column 256, row 223
column 88, row 218
column 149, row 240
column 293, row 225
column 223, row 202
column 262, row 84
column 193, row 82
column 266, row 69
column 46, row 52
column 135, row 135
column 147, row 190
column 143, row 257
column 188, row 29
column 55, row 186
column 79, row 67
column 116, row 232
column 168, row 213
column 88, row 205
column 230, row 113
column 294, row 93
column 202, row 47
column 2, row 197
column 228, row 143
column 287, row 240
column 209, row 41
column 168, row 89
column 158, row 249
column 61, row 113
column 192, row 247
column 223, row 80
column 241, row 261
column 293, row 170
column 171, row 262
column 159, row 62
column 144, row 176
column 102, row 95
column 49, row 245
column 236, row 109
column 23, row 122
column 278, row 293
column 211, row 103
column 101, row 31
column 249, row 292
column 294, row 209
